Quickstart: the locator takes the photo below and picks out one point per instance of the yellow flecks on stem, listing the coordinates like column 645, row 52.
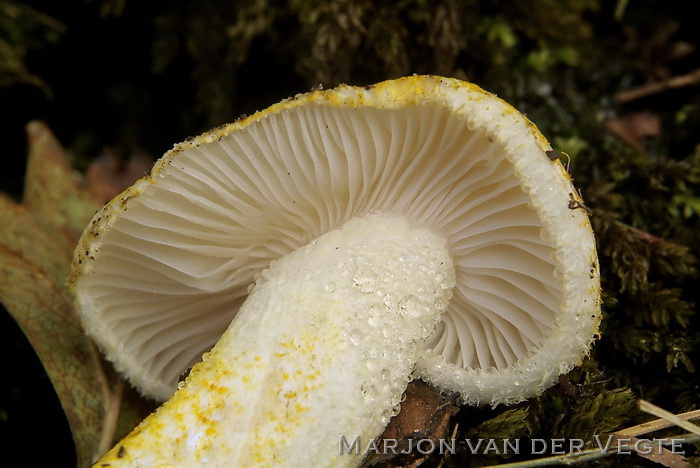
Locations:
column 292, row 412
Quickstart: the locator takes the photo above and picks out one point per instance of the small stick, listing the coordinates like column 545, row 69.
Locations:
column 670, row 417
column 655, row 425
column 638, row 92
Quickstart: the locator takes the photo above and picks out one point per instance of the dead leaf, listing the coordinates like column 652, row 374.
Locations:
column 633, row 128
column 109, row 175
column 47, row 318
column 661, row 455
column 51, row 189
column 25, row 235
column 425, row 414
column 36, row 248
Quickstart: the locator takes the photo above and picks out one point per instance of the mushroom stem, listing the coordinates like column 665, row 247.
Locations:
column 319, row 354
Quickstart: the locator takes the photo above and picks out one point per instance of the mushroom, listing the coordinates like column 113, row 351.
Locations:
column 414, row 228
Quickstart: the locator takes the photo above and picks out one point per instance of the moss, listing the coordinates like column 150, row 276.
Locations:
column 22, row 29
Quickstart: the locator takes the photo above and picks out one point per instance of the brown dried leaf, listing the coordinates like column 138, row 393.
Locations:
column 425, row 414
column 47, row 318
column 109, row 175
column 24, row 235
column 52, row 190
column 632, row 128
column 661, row 455
column 36, row 247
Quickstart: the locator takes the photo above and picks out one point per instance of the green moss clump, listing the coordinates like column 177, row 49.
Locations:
column 22, row 29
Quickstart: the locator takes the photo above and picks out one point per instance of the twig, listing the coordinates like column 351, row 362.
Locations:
column 628, row 442
column 596, row 453
column 670, row 417
column 655, row 425
column 638, row 92
column 646, row 235
column 111, row 418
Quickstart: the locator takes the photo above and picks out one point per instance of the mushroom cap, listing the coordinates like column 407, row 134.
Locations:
column 163, row 268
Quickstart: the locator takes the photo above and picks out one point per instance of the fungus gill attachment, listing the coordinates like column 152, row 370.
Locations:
column 415, row 228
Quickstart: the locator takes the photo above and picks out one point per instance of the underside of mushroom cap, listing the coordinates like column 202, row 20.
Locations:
column 163, row 268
